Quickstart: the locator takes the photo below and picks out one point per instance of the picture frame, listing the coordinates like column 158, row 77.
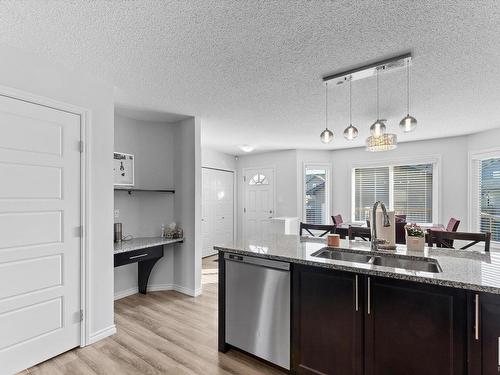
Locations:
column 123, row 169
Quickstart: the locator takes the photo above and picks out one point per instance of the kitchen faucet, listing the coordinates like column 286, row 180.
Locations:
column 387, row 223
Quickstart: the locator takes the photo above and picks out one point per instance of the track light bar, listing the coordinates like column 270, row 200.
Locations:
column 369, row 70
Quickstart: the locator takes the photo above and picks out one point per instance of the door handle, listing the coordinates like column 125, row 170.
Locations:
column 357, row 293
column 139, row 256
column 476, row 316
column 369, row 307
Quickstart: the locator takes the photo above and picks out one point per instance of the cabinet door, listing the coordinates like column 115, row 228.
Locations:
column 414, row 329
column 488, row 335
column 326, row 325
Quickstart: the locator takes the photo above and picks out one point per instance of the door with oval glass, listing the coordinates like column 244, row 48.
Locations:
column 258, row 206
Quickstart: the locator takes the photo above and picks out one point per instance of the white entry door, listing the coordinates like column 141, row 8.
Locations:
column 217, row 209
column 258, row 202
column 39, row 233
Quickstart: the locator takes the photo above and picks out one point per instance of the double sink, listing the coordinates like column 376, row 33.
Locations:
column 393, row 261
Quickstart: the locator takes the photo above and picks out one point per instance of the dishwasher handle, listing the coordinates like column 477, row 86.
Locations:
column 256, row 261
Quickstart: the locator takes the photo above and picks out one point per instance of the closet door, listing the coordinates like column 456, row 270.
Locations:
column 217, row 209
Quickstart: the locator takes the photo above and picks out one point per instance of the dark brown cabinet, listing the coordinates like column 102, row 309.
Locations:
column 485, row 334
column 327, row 322
column 343, row 323
column 414, row 329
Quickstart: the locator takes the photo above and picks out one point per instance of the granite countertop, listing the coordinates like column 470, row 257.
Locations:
column 142, row 243
column 465, row 269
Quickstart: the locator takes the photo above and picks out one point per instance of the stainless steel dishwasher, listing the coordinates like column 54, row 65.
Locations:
column 258, row 307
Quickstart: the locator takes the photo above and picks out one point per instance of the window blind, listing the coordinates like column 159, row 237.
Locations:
column 370, row 185
column 315, row 196
column 413, row 192
column 489, row 197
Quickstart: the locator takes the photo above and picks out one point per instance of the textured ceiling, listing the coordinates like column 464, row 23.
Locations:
column 252, row 69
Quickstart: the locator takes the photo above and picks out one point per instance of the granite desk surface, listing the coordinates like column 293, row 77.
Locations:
column 143, row 243
column 465, row 269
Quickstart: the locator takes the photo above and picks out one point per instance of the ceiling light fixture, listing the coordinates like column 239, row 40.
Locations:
column 247, row 148
column 408, row 123
column 385, row 142
column 378, row 127
column 326, row 135
column 379, row 140
column 351, row 131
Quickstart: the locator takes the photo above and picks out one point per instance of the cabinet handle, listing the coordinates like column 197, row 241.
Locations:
column 369, row 298
column 357, row 293
column 476, row 316
column 139, row 256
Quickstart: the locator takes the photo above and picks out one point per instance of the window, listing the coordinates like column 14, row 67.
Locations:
column 258, row 179
column 316, row 187
column 405, row 189
column 486, row 195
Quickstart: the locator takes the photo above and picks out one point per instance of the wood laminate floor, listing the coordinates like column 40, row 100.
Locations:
column 159, row 333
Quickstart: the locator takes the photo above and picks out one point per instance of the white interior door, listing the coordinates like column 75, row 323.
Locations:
column 258, row 202
column 217, row 209
column 39, row 233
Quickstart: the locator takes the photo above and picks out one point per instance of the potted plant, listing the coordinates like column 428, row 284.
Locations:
column 415, row 237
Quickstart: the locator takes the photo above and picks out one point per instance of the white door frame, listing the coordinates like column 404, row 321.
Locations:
column 244, row 193
column 85, row 131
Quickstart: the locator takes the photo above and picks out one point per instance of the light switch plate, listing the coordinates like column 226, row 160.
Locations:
column 117, row 214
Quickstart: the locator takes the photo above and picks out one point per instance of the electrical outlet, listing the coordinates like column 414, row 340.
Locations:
column 117, row 214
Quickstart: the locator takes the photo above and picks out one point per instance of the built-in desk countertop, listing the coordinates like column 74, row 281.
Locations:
column 145, row 251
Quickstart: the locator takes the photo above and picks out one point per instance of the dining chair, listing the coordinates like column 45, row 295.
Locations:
column 325, row 229
column 400, row 218
column 359, row 232
column 401, row 232
column 452, row 225
column 337, row 219
column 445, row 239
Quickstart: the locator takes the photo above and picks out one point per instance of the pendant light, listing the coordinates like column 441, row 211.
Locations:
column 350, row 132
column 385, row 142
column 378, row 127
column 326, row 135
column 408, row 123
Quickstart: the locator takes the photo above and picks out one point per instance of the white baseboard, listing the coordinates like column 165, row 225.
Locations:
column 158, row 288
column 102, row 334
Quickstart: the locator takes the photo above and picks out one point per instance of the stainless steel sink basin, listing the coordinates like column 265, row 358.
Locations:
column 429, row 265
column 342, row 255
column 425, row 265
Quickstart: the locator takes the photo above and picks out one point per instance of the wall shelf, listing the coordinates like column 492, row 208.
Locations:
column 131, row 189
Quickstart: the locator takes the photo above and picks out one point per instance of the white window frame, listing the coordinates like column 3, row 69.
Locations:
column 328, row 168
column 473, row 208
column 435, row 160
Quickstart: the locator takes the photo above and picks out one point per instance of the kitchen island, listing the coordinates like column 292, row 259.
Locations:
column 355, row 311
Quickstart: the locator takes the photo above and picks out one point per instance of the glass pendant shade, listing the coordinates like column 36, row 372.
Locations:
column 384, row 142
column 408, row 123
column 326, row 136
column 350, row 132
column 377, row 129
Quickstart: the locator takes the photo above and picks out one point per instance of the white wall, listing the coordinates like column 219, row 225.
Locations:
column 452, row 179
column 40, row 76
column 453, row 173
column 187, row 206
column 285, row 174
column 215, row 159
column 143, row 213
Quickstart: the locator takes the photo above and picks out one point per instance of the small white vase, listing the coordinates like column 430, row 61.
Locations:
column 414, row 243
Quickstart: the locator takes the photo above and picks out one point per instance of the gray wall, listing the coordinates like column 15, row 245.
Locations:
column 187, row 207
column 166, row 156
column 143, row 213
column 34, row 74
